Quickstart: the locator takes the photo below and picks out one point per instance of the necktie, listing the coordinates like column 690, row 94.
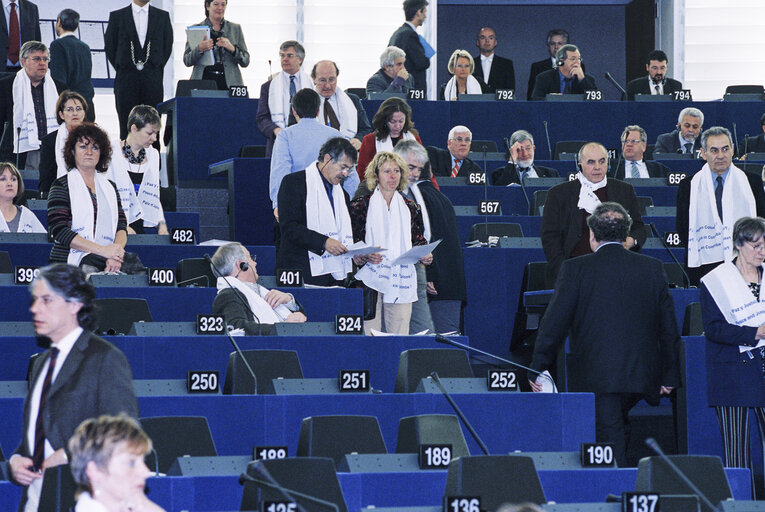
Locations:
column 718, row 196
column 14, row 40
column 567, row 88
column 293, row 88
column 330, row 119
column 456, row 168
column 656, row 87
column 635, row 172
column 38, row 455
column 689, row 148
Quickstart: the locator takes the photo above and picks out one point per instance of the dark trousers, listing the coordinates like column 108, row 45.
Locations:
column 612, row 423
column 133, row 87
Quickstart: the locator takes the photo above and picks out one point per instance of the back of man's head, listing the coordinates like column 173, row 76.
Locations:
column 306, row 103
column 69, row 19
column 610, row 222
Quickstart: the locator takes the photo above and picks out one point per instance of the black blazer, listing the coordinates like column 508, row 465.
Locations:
column 509, row 174
column 121, row 31
column 655, row 170
column 754, row 144
column 441, row 163
column 670, row 143
column 501, row 76
column 406, row 38
column 616, row 307
column 296, row 238
column 29, row 29
column 71, row 64
column 562, row 220
column 549, row 82
column 641, row 86
column 48, row 165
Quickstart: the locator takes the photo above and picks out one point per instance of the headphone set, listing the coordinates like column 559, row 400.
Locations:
column 244, row 266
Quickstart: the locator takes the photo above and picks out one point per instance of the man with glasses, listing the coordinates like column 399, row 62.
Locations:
column 711, row 201
column 520, row 162
column 313, row 217
column 33, row 97
column 556, row 38
column 339, row 109
column 568, row 78
column 276, row 94
column 632, row 165
column 454, row 161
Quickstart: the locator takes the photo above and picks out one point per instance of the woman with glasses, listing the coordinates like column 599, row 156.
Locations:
column 461, row 66
column 71, row 110
column 733, row 311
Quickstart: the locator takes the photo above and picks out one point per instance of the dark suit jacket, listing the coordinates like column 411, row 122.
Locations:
column 670, row 143
column 29, row 29
column 616, row 307
column 406, row 38
column 95, row 379
column 441, row 163
column 121, row 32
column 509, row 174
column 549, row 82
column 655, row 170
column 562, row 220
column 296, row 238
column 71, row 64
column 501, row 76
column 538, row 68
column 641, row 86
column 734, row 379
column 754, row 144
column 48, row 166
column 363, row 126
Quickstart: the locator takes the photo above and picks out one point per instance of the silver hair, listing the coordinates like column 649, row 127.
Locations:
column 561, row 54
column 407, row 147
column 32, row 46
column 389, row 55
column 459, row 128
column 693, row 112
column 225, row 258
column 520, row 136
column 715, row 130
column 634, row 128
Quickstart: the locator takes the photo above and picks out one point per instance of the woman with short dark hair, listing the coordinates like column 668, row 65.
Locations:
column 71, row 111
column 14, row 217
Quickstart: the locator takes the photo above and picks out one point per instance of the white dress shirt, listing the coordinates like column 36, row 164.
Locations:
column 652, row 86
column 141, row 19
column 642, row 168
column 486, row 66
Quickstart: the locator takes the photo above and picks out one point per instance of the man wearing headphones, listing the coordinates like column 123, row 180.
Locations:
column 556, row 38
column 568, row 78
column 632, row 165
column 242, row 301
column 656, row 83
column 564, row 221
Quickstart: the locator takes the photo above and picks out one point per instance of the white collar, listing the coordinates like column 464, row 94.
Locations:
column 489, row 58
column 66, row 343
column 411, row 25
column 603, row 244
column 137, row 9
column 7, row 4
column 65, row 34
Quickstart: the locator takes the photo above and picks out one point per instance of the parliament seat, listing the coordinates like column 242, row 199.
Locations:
column 177, row 436
column 267, row 365
column 416, row 364
column 337, row 436
column 116, row 316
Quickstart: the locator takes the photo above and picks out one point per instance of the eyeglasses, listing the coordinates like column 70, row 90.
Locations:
column 330, row 80
column 466, row 140
column 69, row 110
column 633, row 141
column 287, row 55
column 759, row 247
column 574, row 58
column 37, row 59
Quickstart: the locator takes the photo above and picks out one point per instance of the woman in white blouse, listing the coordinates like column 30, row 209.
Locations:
column 15, row 218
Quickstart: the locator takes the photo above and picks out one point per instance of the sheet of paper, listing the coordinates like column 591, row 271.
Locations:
column 194, row 36
column 92, row 34
column 361, row 249
column 414, row 254
column 548, row 384
column 99, row 63
column 744, row 348
column 375, row 332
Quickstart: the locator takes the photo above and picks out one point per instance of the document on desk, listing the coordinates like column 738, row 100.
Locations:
column 414, row 254
column 362, row 249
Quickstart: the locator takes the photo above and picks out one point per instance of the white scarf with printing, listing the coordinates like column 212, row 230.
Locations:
column 28, row 222
column 27, row 139
column 101, row 230
column 144, row 205
column 588, row 201
column 279, row 95
column 347, row 115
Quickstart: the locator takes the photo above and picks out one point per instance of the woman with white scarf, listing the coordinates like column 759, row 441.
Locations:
column 387, row 220
column 71, row 110
column 85, row 216
column 242, row 301
column 15, row 218
column 135, row 171
column 392, row 122
column 461, row 66
column 733, row 311
column 106, row 457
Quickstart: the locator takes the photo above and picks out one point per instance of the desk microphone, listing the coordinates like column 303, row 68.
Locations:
column 746, row 143
column 476, row 437
column 549, row 147
column 652, row 444
column 236, row 292
column 271, row 483
column 618, row 86
column 664, row 244
column 735, row 137
column 443, row 339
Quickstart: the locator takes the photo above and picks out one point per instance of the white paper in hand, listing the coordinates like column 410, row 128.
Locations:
column 548, row 384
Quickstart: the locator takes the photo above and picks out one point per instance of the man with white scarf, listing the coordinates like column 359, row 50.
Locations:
column 34, row 103
column 313, row 217
column 276, row 94
column 711, row 201
column 339, row 109
column 242, row 301
column 564, row 228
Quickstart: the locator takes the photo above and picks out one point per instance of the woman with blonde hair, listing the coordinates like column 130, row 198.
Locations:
column 461, row 66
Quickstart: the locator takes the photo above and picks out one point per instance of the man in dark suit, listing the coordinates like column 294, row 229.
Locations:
column 453, row 161
column 81, row 376
column 736, row 194
column 335, row 110
column 568, row 78
column 138, row 42
column 564, row 228
column 336, row 158
column 616, row 307
column 276, row 93
column 754, row 144
column 634, row 144
column 520, row 161
column 406, row 38
column 494, row 71
column 685, row 139
column 556, row 38
column 15, row 32
column 70, row 59
column 656, row 82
